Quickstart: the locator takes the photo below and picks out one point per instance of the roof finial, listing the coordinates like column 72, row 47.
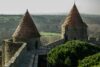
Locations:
column 74, row 2
column 26, row 10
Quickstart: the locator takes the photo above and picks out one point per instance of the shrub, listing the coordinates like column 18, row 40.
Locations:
column 68, row 54
column 91, row 61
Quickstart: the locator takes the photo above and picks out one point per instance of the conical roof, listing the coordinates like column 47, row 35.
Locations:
column 74, row 18
column 26, row 29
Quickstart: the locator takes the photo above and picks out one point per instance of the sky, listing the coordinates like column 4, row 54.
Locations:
column 48, row 6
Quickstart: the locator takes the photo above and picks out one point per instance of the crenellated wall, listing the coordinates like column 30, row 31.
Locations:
column 93, row 40
column 56, row 43
column 8, row 50
column 0, row 58
column 19, row 54
column 43, row 50
column 16, row 54
column 16, row 59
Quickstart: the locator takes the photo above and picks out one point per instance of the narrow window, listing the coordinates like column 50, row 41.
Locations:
column 36, row 44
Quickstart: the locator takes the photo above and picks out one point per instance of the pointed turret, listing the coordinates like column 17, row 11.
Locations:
column 26, row 29
column 74, row 18
column 73, row 26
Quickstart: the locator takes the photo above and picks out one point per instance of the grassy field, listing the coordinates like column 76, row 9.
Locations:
column 49, row 34
column 48, row 37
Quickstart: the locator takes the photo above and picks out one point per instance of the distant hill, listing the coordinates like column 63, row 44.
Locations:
column 46, row 23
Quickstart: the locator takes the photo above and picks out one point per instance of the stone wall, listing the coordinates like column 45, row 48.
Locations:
column 94, row 40
column 33, row 43
column 16, row 54
column 74, row 33
column 56, row 43
column 15, row 61
column 8, row 50
column 0, row 58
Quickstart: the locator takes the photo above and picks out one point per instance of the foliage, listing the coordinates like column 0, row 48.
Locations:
column 91, row 61
column 69, row 53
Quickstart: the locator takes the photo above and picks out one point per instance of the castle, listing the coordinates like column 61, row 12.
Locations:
column 25, row 48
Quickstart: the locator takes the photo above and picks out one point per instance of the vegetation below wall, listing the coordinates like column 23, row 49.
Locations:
column 74, row 54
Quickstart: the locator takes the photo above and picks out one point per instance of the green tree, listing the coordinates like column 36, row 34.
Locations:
column 68, row 54
column 90, row 61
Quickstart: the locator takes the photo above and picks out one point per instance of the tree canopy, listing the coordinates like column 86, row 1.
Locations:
column 90, row 61
column 69, row 54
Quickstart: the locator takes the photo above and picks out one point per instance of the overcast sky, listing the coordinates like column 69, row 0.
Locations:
column 48, row 6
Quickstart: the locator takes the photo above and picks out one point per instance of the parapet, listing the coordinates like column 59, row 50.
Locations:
column 0, row 58
column 13, row 62
column 9, row 48
column 92, row 39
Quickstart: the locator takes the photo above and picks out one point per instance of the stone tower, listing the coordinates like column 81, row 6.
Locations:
column 27, row 32
column 73, row 27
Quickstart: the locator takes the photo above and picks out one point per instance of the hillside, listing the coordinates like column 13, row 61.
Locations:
column 45, row 23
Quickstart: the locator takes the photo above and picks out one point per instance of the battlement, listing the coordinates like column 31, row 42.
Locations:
column 94, row 40
column 0, row 58
column 16, row 54
column 9, row 50
column 12, row 46
column 56, row 43
column 43, row 50
column 17, row 57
